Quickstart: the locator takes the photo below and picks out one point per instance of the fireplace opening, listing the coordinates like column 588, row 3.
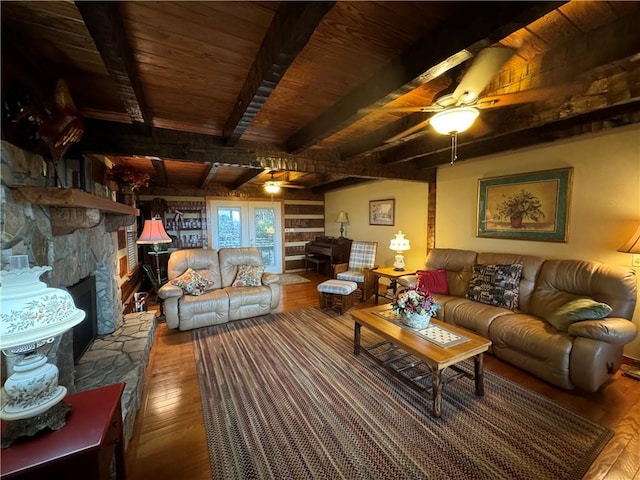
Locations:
column 84, row 296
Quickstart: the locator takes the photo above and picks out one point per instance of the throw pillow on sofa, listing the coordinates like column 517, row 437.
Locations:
column 433, row 281
column 192, row 283
column 577, row 310
column 497, row 285
column 248, row 276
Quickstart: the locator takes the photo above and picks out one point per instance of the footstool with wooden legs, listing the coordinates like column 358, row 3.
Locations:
column 337, row 293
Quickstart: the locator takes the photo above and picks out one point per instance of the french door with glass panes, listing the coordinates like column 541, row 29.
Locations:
column 253, row 224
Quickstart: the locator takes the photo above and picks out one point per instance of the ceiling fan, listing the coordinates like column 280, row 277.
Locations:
column 456, row 111
column 274, row 186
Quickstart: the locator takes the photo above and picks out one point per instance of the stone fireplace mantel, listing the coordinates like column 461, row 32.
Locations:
column 74, row 209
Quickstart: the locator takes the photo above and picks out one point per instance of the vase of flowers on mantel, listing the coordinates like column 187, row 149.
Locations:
column 129, row 180
column 414, row 307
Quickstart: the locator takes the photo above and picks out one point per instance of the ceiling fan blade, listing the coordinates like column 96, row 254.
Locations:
column 526, row 96
column 484, row 67
column 408, row 131
column 432, row 108
column 300, row 187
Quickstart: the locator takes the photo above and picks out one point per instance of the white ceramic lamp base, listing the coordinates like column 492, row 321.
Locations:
column 398, row 265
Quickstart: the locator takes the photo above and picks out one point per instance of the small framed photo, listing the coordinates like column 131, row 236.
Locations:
column 382, row 212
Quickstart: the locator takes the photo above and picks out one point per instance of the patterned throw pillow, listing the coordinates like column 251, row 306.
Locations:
column 497, row 285
column 248, row 276
column 192, row 283
column 433, row 281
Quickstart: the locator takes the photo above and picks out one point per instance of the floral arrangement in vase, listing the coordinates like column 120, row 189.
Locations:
column 129, row 177
column 414, row 301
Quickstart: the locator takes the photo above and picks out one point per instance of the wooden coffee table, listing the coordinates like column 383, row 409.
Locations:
column 402, row 343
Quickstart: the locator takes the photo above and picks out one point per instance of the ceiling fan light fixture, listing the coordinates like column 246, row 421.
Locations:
column 271, row 187
column 454, row 120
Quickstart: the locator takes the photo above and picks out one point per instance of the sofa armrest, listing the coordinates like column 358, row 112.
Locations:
column 408, row 281
column 617, row 331
column 169, row 291
column 269, row 278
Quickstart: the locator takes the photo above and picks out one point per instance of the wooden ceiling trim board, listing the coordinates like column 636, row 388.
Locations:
column 346, row 182
column 477, row 24
column 117, row 139
column 292, row 26
column 106, row 27
column 590, row 122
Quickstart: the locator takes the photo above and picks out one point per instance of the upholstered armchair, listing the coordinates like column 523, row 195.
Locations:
column 362, row 260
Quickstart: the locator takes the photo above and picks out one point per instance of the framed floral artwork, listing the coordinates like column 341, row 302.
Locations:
column 528, row 206
column 382, row 212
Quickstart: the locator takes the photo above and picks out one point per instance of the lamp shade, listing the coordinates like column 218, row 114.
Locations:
column 30, row 311
column 343, row 217
column 153, row 232
column 399, row 244
column 633, row 244
column 454, row 120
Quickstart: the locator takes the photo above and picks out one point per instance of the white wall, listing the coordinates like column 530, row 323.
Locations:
column 603, row 213
column 410, row 217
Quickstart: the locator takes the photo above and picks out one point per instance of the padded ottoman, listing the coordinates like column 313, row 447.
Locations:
column 337, row 293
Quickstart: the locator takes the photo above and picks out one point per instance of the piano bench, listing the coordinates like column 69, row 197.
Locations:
column 317, row 260
column 337, row 293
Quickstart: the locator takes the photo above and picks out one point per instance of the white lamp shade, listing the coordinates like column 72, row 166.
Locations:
column 153, row 232
column 454, row 120
column 399, row 244
column 30, row 311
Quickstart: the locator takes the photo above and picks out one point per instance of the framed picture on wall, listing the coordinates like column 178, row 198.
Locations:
column 382, row 212
column 528, row 206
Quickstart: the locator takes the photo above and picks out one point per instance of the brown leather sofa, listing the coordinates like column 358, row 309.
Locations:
column 585, row 356
column 222, row 302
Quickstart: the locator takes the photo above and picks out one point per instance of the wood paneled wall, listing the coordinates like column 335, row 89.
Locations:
column 303, row 221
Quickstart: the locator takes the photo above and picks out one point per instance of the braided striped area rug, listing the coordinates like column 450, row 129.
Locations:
column 285, row 398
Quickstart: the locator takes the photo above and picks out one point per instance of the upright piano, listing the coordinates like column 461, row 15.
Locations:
column 326, row 251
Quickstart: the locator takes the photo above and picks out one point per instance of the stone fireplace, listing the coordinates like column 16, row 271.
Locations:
column 27, row 229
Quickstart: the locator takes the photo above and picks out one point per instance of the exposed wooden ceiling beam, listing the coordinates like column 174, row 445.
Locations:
column 208, row 175
column 160, row 175
column 110, row 138
column 478, row 26
column 290, row 30
column 106, row 27
column 345, row 182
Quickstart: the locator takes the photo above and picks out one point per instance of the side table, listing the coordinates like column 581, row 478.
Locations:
column 82, row 449
column 391, row 274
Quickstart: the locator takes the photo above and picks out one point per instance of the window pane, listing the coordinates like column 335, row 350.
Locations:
column 265, row 229
column 229, row 227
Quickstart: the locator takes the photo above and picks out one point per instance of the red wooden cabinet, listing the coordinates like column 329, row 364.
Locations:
column 82, row 449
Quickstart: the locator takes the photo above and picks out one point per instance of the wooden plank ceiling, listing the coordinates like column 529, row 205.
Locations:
column 210, row 97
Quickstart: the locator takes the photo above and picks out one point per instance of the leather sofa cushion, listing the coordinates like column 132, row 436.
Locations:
column 457, row 263
column 532, row 335
column 561, row 281
column 471, row 315
column 232, row 258
column 203, row 261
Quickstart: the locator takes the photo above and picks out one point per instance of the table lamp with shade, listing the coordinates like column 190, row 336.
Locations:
column 32, row 315
column 153, row 233
column 399, row 245
column 343, row 219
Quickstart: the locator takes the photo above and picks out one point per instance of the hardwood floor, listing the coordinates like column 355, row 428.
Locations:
column 169, row 438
